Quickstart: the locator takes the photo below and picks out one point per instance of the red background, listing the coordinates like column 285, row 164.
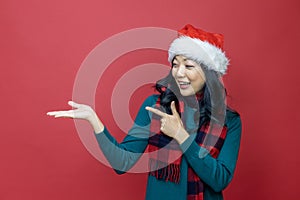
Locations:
column 43, row 44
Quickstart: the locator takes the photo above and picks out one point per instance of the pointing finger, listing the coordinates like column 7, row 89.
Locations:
column 156, row 111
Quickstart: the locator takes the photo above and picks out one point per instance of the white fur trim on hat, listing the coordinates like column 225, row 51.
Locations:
column 199, row 51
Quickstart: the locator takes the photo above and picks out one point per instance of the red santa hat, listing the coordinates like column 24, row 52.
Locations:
column 202, row 47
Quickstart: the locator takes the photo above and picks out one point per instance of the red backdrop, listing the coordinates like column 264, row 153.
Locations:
column 43, row 44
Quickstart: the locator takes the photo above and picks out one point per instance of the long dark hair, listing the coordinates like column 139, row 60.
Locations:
column 212, row 105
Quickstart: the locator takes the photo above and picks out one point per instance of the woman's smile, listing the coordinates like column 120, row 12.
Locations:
column 184, row 84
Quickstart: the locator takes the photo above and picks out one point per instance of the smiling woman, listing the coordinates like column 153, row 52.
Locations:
column 192, row 135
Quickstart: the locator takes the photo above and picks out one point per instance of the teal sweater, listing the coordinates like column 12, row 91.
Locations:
column 215, row 173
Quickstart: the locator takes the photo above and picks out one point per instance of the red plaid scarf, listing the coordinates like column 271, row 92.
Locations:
column 165, row 156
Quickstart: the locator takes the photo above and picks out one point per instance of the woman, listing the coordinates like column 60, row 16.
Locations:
column 192, row 136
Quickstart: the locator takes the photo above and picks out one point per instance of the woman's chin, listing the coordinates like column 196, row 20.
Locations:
column 186, row 93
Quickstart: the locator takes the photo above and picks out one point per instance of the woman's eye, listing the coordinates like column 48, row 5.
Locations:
column 174, row 65
column 189, row 66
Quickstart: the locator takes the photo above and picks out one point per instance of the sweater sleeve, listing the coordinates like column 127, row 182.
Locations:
column 122, row 156
column 216, row 173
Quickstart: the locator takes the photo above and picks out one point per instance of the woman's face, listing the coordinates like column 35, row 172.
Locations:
column 188, row 75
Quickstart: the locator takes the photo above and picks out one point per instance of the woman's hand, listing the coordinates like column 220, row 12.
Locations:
column 171, row 125
column 81, row 111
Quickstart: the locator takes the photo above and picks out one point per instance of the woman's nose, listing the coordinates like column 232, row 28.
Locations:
column 181, row 71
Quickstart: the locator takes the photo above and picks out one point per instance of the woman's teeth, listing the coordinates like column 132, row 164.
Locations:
column 184, row 85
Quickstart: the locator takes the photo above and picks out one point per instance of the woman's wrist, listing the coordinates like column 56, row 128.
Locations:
column 181, row 135
column 96, row 124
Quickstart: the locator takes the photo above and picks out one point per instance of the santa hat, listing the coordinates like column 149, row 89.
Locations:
column 202, row 47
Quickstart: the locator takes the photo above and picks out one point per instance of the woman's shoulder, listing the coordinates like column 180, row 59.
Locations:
column 232, row 117
column 231, row 113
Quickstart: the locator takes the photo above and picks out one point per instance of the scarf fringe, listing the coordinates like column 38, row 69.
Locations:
column 164, row 171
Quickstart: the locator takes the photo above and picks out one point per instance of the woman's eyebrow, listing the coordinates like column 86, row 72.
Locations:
column 175, row 60
column 183, row 59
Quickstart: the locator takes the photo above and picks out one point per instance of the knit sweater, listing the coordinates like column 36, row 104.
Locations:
column 215, row 173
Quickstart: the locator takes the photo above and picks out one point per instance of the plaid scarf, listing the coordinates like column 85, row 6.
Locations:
column 166, row 155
